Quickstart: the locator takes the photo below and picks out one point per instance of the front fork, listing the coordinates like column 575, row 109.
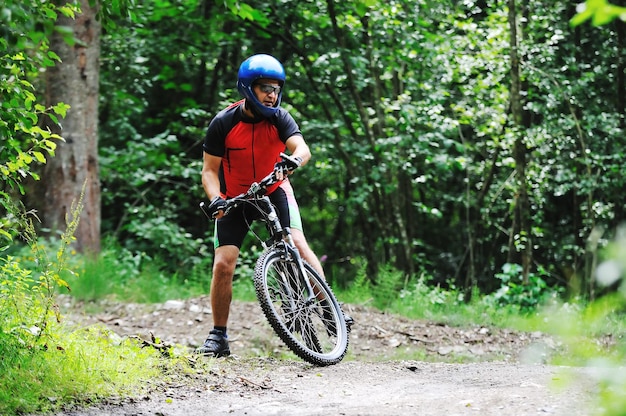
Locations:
column 295, row 254
column 290, row 249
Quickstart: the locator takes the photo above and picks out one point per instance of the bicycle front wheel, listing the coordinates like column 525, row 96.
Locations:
column 311, row 324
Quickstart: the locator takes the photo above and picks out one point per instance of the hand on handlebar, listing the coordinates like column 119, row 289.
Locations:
column 283, row 168
column 216, row 207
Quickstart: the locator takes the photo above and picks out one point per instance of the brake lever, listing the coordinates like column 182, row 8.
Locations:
column 202, row 207
column 212, row 217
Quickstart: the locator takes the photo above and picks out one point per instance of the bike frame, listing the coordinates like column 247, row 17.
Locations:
column 279, row 235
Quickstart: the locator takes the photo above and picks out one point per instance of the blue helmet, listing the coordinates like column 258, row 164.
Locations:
column 254, row 68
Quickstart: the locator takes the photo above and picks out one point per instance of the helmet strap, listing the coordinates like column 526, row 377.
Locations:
column 252, row 109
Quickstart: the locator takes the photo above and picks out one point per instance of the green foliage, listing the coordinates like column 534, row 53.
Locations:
column 72, row 367
column 412, row 296
column 592, row 334
column 135, row 277
column 524, row 296
column 129, row 276
column 46, row 365
column 27, row 296
column 387, row 286
column 26, row 52
column 109, row 10
column 600, row 12
column 153, row 196
column 406, row 108
column 25, row 124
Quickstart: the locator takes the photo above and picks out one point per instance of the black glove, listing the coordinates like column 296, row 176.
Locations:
column 217, row 204
column 288, row 164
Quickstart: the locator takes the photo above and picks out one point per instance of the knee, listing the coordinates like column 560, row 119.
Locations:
column 223, row 268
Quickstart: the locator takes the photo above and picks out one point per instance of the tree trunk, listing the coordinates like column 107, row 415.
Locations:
column 620, row 78
column 522, row 229
column 75, row 82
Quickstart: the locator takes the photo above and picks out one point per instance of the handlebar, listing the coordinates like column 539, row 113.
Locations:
column 255, row 190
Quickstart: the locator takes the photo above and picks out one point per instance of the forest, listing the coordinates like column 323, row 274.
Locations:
column 468, row 171
column 452, row 140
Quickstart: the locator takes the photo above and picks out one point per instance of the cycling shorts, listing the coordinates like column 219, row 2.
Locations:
column 231, row 229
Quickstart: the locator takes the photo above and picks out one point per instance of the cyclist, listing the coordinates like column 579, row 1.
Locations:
column 242, row 144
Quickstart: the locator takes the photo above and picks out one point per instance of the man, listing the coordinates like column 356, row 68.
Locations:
column 242, row 145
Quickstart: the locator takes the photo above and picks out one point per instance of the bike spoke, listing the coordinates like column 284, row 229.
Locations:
column 308, row 322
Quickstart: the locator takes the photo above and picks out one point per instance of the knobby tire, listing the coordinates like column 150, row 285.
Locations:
column 314, row 329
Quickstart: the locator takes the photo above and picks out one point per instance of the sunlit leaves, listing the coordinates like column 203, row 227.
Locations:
column 600, row 12
column 25, row 138
column 247, row 12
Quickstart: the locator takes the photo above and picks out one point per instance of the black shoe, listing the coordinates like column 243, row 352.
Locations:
column 349, row 321
column 216, row 345
column 330, row 323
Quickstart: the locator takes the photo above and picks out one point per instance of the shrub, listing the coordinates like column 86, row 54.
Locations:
column 514, row 292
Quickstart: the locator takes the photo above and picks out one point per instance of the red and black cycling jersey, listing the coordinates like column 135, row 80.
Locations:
column 249, row 147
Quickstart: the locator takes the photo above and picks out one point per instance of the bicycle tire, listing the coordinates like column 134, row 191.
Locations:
column 314, row 329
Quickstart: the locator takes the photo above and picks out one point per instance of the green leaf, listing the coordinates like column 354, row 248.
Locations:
column 6, row 235
column 49, row 145
column 54, row 118
column 68, row 11
column 599, row 11
column 54, row 56
column 50, row 13
column 40, row 157
column 61, row 109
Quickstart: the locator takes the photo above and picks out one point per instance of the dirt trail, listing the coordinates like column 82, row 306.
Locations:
column 393, row 368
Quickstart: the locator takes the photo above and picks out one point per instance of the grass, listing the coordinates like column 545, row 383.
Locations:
column 69, row 366
column 72, row 367
column 129, row 277
column 47, row 365
column 138, row 278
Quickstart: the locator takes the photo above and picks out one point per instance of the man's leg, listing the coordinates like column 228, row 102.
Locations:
column 306, row 252
column 289, row 213
column 221, row 295
column 222, row 283
column 310, row 257
column 299, row 239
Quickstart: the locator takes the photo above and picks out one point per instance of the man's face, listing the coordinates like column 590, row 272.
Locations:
column 267, row 91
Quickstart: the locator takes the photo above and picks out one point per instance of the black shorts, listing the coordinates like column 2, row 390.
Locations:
column 231, row 229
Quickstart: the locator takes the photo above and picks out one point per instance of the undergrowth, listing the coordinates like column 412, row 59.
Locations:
column 47, row 364
column 127, row 276
column 73, row 367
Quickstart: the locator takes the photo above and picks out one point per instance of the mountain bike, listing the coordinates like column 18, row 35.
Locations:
column 297, row 302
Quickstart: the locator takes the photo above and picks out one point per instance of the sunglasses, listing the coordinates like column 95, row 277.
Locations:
column 268, row 89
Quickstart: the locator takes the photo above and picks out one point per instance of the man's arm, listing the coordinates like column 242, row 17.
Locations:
column 210, row 175
column 298, row 148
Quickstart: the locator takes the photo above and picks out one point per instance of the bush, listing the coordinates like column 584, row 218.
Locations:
column 45, row 364
column 525, row 297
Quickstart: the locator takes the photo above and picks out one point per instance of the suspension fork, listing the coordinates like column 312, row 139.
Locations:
column 290, row 246
column 295, row 253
